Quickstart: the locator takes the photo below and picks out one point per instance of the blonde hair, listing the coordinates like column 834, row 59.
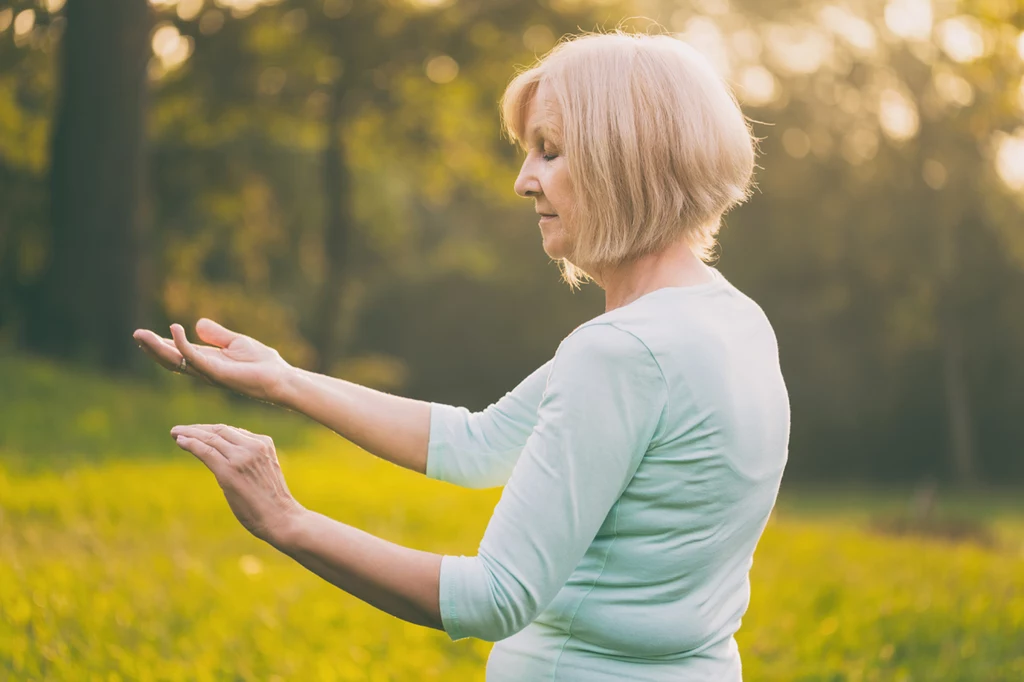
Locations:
column 656, row 145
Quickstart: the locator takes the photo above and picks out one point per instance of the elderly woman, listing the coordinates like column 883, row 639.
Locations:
column 640, row 463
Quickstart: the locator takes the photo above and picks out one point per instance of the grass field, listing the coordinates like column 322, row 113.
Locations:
column 123, row 566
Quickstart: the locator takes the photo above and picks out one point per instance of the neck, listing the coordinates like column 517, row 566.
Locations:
column 676, row 266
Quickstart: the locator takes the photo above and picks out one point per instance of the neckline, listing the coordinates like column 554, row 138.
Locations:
column 717, row 280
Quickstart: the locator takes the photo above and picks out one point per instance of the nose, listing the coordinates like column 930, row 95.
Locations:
column 527, row 184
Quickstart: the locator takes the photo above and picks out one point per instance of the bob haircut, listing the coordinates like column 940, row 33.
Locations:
column 656, row 145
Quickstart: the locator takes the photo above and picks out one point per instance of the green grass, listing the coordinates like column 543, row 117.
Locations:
column 53, row 416
column 126, row 567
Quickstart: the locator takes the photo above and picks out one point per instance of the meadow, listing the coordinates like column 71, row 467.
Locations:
column 120, row 560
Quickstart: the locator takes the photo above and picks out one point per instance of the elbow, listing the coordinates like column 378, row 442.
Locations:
column 504, row 627
column 511, row 614
column 483, row 599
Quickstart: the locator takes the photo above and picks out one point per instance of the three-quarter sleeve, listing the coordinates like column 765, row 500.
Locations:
column 479, row 449
column 604, row 399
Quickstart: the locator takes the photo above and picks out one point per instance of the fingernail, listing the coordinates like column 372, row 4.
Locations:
column 177, row 440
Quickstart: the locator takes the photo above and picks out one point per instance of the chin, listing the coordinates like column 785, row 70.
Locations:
column 556, row 251
column 556, row 246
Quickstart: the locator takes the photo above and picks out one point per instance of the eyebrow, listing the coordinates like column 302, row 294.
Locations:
column 544, row 132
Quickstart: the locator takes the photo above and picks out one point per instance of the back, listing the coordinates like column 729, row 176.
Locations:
column 666, row 577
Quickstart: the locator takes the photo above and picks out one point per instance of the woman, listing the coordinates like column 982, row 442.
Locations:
column 640, row 463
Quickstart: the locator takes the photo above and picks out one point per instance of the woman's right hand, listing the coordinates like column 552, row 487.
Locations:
column 232, row 360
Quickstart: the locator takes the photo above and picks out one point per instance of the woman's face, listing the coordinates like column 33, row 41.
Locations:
column 545, row 175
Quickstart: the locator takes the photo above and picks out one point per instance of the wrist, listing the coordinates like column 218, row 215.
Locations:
column 283, row 391
column 287, row 533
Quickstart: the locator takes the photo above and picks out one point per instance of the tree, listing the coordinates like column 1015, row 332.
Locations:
column 88, row 302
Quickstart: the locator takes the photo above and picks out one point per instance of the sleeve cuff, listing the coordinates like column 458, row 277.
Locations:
column 445, row 424
column 449, row 580
column 437, row 442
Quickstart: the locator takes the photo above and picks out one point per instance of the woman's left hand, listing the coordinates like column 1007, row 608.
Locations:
column 246, row 467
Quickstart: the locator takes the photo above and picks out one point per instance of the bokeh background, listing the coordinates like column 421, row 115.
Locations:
column 329, row 177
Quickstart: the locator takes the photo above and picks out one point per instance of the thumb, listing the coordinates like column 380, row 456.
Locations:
column 214, row 334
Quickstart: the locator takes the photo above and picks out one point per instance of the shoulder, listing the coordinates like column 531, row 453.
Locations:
column 598, row 346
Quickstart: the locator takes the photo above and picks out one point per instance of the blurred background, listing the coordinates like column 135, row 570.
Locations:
column 329, row 177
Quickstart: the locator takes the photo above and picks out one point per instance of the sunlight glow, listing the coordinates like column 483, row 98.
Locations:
column 704, row 36
column 170, row 47
column 962, row 38
column 242, row 8
column 953, row 89
column 757, row 86
column 1020, row 96
column 798, row 48
column 24, row 22
column 53, row 6
column 189, row 9
column 746, row 44
column 909, row 19
column 165, row 39
column 1010, row 158
column 442, row 69
column 897, row 115
column 713, row 7
column 6, row 17
column 1020, row 45
column 250, row 565
column 857, row 32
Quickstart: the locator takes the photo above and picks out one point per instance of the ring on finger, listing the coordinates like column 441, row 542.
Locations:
column 183, row 366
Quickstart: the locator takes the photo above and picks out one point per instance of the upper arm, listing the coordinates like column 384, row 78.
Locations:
column 479, row 449
column 604, row 400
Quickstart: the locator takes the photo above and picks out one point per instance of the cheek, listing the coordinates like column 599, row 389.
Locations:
column 560, row 187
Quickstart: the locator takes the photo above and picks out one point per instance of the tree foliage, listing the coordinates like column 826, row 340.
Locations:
column 329, row 176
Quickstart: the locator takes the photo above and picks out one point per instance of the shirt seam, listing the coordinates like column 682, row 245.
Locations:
column 593, row 586
column 664, row 380
column 615, row 522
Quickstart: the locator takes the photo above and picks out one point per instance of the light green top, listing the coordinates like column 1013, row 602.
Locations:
column 640, row 466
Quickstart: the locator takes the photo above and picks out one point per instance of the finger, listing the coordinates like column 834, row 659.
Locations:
column 161, row 359
column 156, row 341
column 264, row 439
column 261, row 437
column 192, row 354
column 215, row 334
column 205, row 434
column 231, row 434
column 164, row 352
column 168, row 356
column 208, row 455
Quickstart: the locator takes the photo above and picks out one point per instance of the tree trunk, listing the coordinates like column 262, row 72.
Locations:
column 337, row 188
column 89, row 300
column 958, row 405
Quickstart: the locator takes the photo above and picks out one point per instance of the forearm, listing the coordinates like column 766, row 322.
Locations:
column 389, row 426
column 401, row 581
